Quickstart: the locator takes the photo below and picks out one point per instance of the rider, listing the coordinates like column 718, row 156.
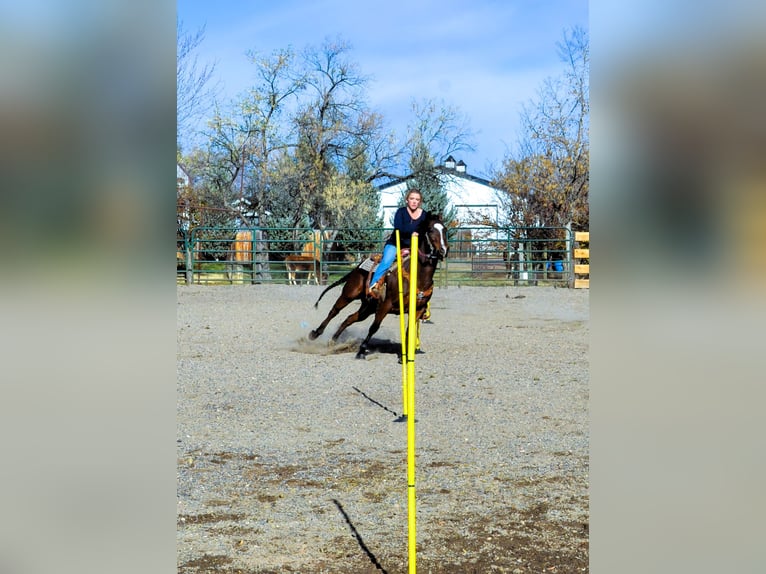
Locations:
column 407, row 219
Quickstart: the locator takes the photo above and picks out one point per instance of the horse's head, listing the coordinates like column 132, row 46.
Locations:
column 436, row 237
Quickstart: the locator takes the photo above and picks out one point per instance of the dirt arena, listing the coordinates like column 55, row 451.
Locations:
column 292, row 456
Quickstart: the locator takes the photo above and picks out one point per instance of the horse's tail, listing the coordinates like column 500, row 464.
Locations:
column 333, row 286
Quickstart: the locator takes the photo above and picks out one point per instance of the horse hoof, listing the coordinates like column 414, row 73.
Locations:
column 361, row 355
column 313, row 335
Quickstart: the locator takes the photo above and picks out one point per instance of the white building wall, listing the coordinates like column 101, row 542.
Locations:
column 461, row 191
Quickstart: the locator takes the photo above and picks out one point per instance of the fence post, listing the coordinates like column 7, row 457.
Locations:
column 189, row 258
column 253, row 253
column 260, row 250
column 582, row 253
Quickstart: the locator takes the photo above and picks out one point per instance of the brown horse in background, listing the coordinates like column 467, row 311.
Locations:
column 432, row 248
column 297, row 265
column 315, row 254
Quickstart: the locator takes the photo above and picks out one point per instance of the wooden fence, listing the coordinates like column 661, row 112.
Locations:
column 581, row 256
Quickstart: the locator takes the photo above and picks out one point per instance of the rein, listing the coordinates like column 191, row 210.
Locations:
column 423, row 256
column 429, row 290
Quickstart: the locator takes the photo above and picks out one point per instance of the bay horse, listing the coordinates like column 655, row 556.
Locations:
column 432, row 248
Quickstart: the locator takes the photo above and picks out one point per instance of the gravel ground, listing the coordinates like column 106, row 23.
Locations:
column 291, row 457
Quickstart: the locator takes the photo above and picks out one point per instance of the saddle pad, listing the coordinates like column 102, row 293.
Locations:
column 368, row 264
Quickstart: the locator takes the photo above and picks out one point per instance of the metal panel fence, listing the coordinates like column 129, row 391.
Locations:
column 478, row 255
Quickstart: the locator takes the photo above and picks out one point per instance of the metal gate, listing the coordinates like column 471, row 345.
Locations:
column 478, row 255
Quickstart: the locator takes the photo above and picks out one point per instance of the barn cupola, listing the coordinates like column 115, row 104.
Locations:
column 460, row 166
column 449, row 163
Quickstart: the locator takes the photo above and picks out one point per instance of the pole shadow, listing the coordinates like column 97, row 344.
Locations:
column 376, row 403
column 358, row 537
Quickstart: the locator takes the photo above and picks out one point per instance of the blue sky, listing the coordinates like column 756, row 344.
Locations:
column 485, row 57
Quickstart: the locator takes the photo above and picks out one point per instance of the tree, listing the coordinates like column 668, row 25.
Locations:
column 425, row 177
column 365, row 212
column 303, row 145
column 439, row 130
column 330, row 125
column 193, row 91
column 548, row 182
column 193, row 99
column 266, row 137
column 207, row 197
column 355, row 204
column 250, row 139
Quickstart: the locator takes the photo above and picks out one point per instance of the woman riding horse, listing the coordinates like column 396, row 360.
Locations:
column 407, row 219
column 432, row 249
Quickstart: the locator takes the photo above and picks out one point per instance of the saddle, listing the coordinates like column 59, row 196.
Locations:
column 371, row 263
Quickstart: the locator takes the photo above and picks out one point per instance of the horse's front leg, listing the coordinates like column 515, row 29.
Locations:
column 383, row 308
column 363, row 349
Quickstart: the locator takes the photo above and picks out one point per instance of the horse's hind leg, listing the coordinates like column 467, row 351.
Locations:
column 351, row 291
column 364, row 311
column 336, row 308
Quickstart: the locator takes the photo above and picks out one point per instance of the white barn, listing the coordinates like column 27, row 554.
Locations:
column 472, row 197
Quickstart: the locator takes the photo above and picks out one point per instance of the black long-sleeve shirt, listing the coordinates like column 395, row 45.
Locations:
column 406, row 226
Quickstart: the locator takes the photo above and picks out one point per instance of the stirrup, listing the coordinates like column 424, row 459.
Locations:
column 377, row 291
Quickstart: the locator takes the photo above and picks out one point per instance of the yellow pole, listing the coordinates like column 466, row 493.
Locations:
column 401, row 325
column 412, row 325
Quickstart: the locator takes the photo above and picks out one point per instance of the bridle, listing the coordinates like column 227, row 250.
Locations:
column 432, row 256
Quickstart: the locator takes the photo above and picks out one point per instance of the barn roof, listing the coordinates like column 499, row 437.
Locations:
column 450, row 168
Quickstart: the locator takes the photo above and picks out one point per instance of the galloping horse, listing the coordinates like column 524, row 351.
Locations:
column 432, row 248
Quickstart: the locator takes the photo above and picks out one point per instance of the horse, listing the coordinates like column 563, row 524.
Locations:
column 319, row 241
column 301, row 264
column 433, row 248
column 320, row 248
